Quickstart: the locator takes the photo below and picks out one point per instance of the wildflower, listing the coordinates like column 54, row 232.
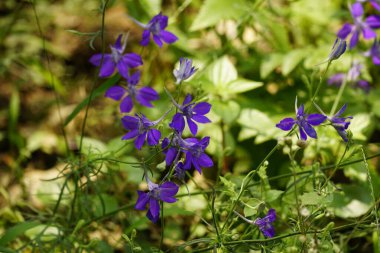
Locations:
column 340, row 124
column 116, row 59
column 195, row 154
column 165, row 192
column 375, row 52
column 172, row 152
column 156, row 27
column 304, row 121
column 180, row 171
column 360, row 26
column 338, row 49
column 185, row 70
column 353, row 76
column 190, row 111
column 265, row 224
column 141, row 128
column 144, row 95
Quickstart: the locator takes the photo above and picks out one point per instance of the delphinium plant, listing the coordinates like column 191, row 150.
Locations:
column 184, row 176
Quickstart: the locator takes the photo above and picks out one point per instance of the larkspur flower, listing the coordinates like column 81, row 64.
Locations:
column 195, row 154
column 184, row 71
column 165, row 192
column 156, row 27
column 142, row 129
column 116, row 60
column 338, row 49
column 341, row 123
column 353, row 77
column 180, row 171
column 265, row 223
column 144, row 95
column 360, row 26
column 374, row 52
column 173, row 149
column 304, row 121
column 192, row 112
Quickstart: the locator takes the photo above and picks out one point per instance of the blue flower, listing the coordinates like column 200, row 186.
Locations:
column 192, row 112
column 360, row 26
column 341, row 124
column 195, row 154
column 142, row 129
column 156, row 27
column 353, row 76
column 116, row 60
column 304, row 121
column 165, row 192
column 265, row 224
column 185, row 70
column 338, row 49
column 144, row 95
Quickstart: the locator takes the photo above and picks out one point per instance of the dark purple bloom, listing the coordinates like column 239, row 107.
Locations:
column 192, row 112
column 341, row 124
column 144, row 95
column 265, row 224
column 304, row 121
column 375, row 52
column 195, row 154
column 165, row 192
column 141, row 128
column 336, row 79
column 116, row 59
column 185, row 70
column 360, row 26
column 338, row 49
column 172, row 150
column 180, row 171
column 156, row 27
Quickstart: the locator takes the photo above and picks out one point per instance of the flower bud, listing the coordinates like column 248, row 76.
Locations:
column 338, row 49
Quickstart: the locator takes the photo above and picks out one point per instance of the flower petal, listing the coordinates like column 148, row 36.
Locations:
column 145, row 38
column 168, row 37
column 373, row 21
column 170, row 156
column 157, row 40
column 286, row 124
column 344, row 31
column 202, row 108
column 193, row 127
column 316, row 119
column 205, row 161
column 354, row 39
column 139, row 142
column 200, row 118
column 187, row 100
column 153, row 137
column 132, row 60
column 108, row 67
column 309, row 130
column 126, row 104
column 178, row 123
column 115, row 92
column 154, row 210
column 130, row 123
column 368, row 33
column 130, row 135
column 357, row 10
column 145, row 95
column 142, row 201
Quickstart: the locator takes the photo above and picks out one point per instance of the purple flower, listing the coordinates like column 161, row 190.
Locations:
column 192, row 112
column 353, row 76
column 375, row 52
column 265, row 224
column 116, row 59
column 195, row 154
column 144, row 95
column 185, row 70
column 180, row 171
column 165, row 192
column 304, row 121
column 156, row 27
column 141, row 128
column 173, row 149
column 360, row 26
column 338, row 49
column 341, row 124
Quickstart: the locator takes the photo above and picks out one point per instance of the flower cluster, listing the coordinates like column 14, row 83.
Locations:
column 365, row 26
column 181, row 154
column 306, row 122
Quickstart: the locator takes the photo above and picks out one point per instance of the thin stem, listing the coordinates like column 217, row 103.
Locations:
column 338, row 97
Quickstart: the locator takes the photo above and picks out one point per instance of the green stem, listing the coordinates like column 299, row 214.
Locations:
column 338, row 97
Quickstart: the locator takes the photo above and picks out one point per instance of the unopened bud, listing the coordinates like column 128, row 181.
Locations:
column 301, row 143
column 338, row 49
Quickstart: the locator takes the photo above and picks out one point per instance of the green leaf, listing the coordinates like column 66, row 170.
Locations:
column 272, row 195
column 227, row 110
column 311, row 198
column 291, row 61
column 242, row 85
column 17, row 230
column 212, row 11
column 252, row 206
column 222, row 72
column 97, row 92
column 273, row 61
